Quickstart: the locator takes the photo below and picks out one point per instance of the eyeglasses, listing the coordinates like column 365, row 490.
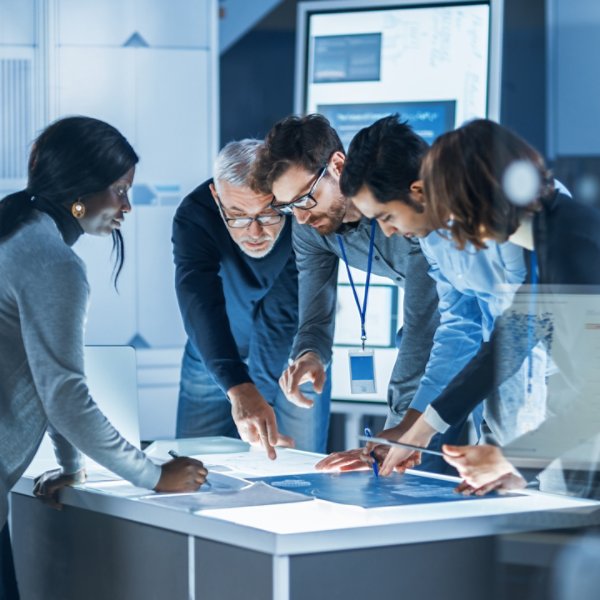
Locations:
column 245, row 222
column 305, row 202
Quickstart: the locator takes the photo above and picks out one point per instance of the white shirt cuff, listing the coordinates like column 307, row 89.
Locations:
column 434, row 420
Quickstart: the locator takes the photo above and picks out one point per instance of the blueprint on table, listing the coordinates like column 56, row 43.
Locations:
column 362, row 488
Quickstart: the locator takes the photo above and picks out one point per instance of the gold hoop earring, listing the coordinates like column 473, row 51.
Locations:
column 78, row 209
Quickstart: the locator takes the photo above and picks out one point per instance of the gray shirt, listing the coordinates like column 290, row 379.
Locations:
column 43, row 305
column 396, row 258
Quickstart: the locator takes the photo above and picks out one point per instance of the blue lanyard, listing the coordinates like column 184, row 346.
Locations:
column 531, row 319
column 362, row 311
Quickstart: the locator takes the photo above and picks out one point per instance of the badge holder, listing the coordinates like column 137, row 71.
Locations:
column 362, row 371
column 361, row 361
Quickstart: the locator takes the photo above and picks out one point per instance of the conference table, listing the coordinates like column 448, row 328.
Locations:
column 259, row 541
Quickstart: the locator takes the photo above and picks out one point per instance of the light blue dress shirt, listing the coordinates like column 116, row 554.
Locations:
column 468, row 284
column 470, row 299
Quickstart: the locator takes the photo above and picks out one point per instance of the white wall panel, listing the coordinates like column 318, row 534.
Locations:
column 99, row 82
column 158, row 389
column 17, row 84
column 17, row 128
column 161, row 100
column 172, row 105
column 172, row 23
column 17, row 23
column 112, row 316
column 175, row 23
column 96, row 23
column 158, row 314
column 158, row 412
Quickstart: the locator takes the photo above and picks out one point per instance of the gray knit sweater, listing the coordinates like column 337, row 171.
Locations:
column 43, row 304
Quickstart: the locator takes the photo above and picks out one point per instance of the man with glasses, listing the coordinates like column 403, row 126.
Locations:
column 237, row 288
column 300, row 164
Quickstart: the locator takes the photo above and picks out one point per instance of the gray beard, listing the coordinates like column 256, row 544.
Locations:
column 261, row 253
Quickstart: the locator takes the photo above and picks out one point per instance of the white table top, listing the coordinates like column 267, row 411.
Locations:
column 317, row 525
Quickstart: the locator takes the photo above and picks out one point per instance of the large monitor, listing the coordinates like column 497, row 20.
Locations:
column 437, row 64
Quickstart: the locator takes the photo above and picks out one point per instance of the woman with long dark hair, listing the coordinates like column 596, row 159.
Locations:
column 467, row 182
column 80, row 171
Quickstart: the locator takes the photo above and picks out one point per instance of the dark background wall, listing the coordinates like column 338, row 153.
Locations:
column 257, row 76
column 523, row 100
column 257, row 73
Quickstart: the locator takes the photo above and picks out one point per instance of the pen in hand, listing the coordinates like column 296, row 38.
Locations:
column 174, row 454
column 375, row 467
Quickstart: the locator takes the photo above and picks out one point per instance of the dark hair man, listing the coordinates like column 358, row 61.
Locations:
column 378, row 177
column 301, row 163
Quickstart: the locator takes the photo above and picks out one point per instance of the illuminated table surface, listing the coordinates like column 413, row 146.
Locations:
column 303, row 529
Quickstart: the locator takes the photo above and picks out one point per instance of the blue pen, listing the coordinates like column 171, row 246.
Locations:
column 375, row 467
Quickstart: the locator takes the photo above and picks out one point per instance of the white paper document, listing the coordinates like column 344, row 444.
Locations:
column 255, row 462
column 215, row 444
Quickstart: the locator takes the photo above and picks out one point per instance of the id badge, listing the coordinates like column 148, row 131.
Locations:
column 362, row 371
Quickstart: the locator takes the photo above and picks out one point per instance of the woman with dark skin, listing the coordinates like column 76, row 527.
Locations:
column 80, row 171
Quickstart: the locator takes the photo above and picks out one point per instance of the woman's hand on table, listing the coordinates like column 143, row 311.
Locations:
column 47, row 486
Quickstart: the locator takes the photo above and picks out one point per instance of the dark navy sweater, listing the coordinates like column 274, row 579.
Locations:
column 240, row 313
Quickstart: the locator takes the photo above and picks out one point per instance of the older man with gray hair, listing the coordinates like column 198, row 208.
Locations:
column 237, row 288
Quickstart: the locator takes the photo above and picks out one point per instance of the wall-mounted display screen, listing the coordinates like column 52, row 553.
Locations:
column 430, row 64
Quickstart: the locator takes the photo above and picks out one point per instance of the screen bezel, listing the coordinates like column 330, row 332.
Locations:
column 308, row 9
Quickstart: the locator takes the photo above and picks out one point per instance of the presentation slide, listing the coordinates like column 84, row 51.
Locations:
column 347, row 58
column 429, row 64
column 428, row 119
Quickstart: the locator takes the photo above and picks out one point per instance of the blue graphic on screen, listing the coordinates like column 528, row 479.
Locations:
column 362, row 488
column 344, row 58
column 428, row 118
column 361, row 367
